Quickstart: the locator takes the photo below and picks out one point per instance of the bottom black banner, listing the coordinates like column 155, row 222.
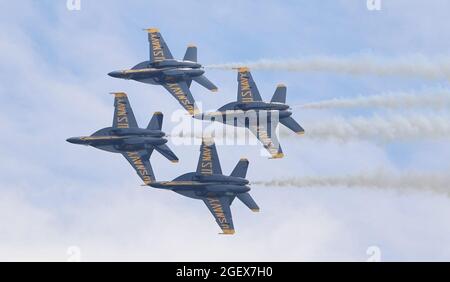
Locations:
column 223, row 271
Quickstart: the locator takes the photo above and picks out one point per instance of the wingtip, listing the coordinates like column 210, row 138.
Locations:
column 158, row 113
column 192, row 46
column 255, row 210
column 278, row 156
column 194, row 112
column 215, row 90
column 208, row 140
column 301, row 133
column 281, row 85
column 228, row 232
column 244, row 160
column 151, row 29
column 119, row 94
column 175, row 161
column 243, row 69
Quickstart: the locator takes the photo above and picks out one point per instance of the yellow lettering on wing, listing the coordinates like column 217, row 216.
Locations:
column 181, row 96
column 265, row 139
column 246, row 93
column 157, row 50
column 216, row 207
column 206, row 166
column 139, row 166
column 122, row 117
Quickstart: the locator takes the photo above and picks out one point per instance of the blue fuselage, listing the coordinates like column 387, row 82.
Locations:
column 168, row 71
column 196, row 186
column 246, row 112
column 119, row 140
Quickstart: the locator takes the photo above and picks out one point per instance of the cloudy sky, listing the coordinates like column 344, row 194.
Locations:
column 55, row 195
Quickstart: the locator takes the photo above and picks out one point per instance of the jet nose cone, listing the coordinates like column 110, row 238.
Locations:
column 116, row 74
column 73, row 140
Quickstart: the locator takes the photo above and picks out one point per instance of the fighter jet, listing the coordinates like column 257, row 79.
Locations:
column 175, row 75
column 216, row 190
column 266, row 115
column 134, row 143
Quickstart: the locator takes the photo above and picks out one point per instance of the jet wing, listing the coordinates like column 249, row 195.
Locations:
column 266, row 134
column 181, row 92
column 247, row 90
column 220, row 209
column 140, row 161
column 208, row 162
column 158, row 47
column 123, row 114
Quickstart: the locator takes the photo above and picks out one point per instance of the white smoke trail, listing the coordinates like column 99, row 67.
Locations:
column 436, row 99
column 383, row 128
column 407, row 66
column 402, row 182
column 376, row 128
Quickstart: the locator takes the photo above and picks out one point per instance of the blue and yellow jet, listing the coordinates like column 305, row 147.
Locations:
column 216, row 190
column 134, row 143
column 260, row 117
column 174, row 75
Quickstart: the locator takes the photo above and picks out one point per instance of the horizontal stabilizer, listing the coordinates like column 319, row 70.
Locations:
column 248, row 201
column 156, row 121
column 167, row 153
column 241, row 169
column 280, row 95
column 191, row 54
column 203, row 81
column 290, row 123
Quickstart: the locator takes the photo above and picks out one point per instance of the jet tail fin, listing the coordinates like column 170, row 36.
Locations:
column 290, row 123
column 156, row 121
column 191, row 54
column 203, row 81
column 248, row 201
column 241, row 169
column 280, row 94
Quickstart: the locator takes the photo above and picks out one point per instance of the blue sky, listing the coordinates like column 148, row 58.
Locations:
column 54, row 85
